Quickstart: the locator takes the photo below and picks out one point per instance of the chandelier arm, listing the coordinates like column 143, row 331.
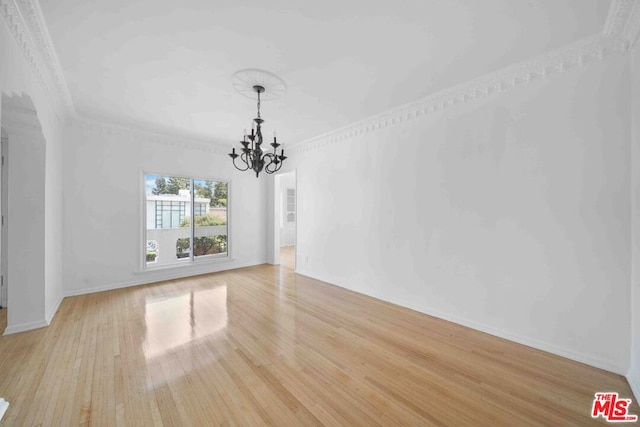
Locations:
column 236, row 166
column 272, row 161
column 275, row 169
column 247, row 160
column 266, row 165
column 278, row 166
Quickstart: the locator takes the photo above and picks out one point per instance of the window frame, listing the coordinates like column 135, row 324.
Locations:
column 197, row 260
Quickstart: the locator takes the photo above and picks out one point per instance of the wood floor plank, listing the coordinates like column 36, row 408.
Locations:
column 264, row 346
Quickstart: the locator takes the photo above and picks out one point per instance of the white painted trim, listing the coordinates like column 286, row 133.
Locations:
column 25, row 21
column 230, row 221
column 142, row 216
column 32, row 13
column 623, row 21
column 633, row 377
column 4, row 405
column 574, row 55
column 171, row 274
column 53, row 311
column 14, row 329
column 135, row 134
column 185, row 265
column 277, row 207
column 142, row 267
column 540, row 345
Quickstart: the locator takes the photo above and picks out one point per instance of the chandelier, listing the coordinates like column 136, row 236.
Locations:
column 253, row 156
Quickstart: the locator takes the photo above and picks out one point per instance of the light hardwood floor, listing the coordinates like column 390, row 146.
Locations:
column 263, row 345
column 288, row 256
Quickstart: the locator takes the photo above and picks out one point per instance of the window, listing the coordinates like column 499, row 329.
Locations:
column 171, row 238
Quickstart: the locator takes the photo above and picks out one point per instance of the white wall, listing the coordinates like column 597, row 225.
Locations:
column 53, row 225
column 103, row 206
column 509, row 214
column 26, row 230
column 634, row 373
column 34, row 270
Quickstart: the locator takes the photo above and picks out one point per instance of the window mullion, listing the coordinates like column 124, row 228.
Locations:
column 193, row 220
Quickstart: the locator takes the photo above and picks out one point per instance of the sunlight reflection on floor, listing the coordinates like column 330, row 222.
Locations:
column 176, row 321
column 175, row 326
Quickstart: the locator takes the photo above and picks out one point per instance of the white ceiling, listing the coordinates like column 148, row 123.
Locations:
column 164, row 65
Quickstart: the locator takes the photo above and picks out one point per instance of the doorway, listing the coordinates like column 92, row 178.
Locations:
column 286, row 217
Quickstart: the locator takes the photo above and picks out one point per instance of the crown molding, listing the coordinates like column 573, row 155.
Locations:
column 32, row 13
column 623, row 21
column 144, row 136
column 578, row 54
column 26, row 22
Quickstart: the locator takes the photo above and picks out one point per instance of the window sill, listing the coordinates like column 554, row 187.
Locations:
column 187, row 266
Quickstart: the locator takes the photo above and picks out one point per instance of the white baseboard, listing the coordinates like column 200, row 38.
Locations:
column 157, row 276
column 540, row 345
column 23, row 327
column 54, row 309
column 166, row 275
column 633, row 377
column 529, row 342
column 4, row 405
